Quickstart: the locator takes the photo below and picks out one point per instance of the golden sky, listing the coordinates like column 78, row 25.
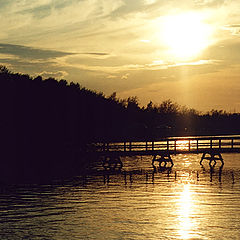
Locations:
column 188, row 51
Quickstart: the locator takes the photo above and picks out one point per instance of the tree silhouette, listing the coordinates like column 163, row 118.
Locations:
column 46, row 125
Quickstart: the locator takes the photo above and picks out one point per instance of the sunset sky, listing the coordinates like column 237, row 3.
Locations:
column 186, row 51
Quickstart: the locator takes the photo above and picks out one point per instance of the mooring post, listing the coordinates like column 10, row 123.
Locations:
column 125, row 177
column 104, row 147
column 203, row 156
column 233, row 177
column 212, row 156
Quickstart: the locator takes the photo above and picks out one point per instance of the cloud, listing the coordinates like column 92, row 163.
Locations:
column 4, row 56
column 125, row 76
column 227, row 51
column 29, row 52
column 196, row 63
column 233, row 28
column 95, row 53
column 113, row 68
column 149, row 2
column 28, row 20
column 111, row 76
column 57, row 75
column 208, row 3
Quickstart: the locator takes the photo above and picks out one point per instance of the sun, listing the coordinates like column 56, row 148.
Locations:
column 185, row 35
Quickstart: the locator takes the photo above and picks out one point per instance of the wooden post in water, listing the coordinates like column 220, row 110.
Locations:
column 104, row 147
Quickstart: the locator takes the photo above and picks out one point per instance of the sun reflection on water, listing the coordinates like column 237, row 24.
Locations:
column 182, row 144
column 184, row 212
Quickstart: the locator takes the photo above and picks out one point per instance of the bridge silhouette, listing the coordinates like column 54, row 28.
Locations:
column 210, row 147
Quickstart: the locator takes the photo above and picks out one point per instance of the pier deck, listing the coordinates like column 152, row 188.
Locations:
column 162, row 149
column 177, row 145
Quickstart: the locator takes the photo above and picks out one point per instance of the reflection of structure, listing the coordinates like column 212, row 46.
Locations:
column 219, row 173
column 163, row 160
column 112, row 163
column 157, row 175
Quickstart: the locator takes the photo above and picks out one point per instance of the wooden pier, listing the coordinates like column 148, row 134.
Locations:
column 210, row 147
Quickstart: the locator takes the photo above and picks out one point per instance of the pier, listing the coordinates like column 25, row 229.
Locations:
column 210, row 147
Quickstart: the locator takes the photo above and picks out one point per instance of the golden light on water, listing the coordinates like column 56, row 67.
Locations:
column 182, row 144
column 186, row 35
column 184, row 212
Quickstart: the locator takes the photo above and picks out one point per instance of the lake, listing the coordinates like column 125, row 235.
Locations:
column 185, row 202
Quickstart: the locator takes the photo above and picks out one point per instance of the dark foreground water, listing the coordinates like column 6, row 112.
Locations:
column 188, row 202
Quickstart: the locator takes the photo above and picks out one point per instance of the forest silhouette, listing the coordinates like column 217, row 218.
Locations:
column 46, row 125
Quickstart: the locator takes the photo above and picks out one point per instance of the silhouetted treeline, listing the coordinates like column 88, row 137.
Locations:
column 57, row 112
column 171, row 119
column 42, row 121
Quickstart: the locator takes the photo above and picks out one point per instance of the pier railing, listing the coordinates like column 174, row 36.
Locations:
column 171, row 145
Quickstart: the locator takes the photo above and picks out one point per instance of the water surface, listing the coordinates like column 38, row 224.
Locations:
column 185, row 202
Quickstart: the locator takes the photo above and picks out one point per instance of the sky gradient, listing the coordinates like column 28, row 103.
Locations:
column 186, row 51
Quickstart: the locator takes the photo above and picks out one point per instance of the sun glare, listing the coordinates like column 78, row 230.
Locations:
column 185, row 35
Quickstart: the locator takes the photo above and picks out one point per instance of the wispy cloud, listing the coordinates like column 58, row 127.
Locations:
column 112, row 70
column 125, row 76
column 29, row 52
column 4, row 56
column 95, row 53
column 30, row 20
column 101, row 43
column 57, row 75
column 233, row 28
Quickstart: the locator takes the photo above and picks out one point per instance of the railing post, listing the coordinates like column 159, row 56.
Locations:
column 152, row 146
column 189, row 145
column 197, row 145
column 146, row 146
column 232, row 143
column 210, row 143
column 175, row 145
column 124, row 146
column 167, row 145
column 130, row 146
column 220, row 142
column 108, row 147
